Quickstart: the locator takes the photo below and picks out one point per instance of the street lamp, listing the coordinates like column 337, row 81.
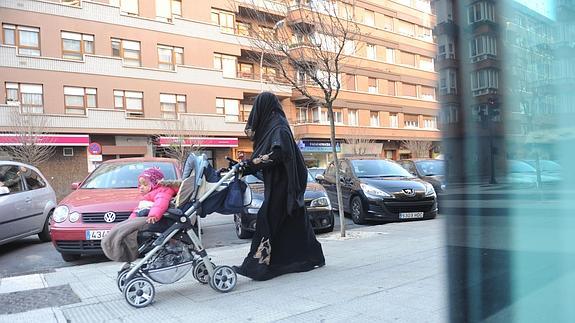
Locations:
column 492, row 114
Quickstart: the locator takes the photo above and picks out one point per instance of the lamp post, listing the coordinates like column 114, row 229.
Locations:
column 492, row 113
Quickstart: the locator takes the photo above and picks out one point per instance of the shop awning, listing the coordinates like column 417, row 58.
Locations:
column 44, row 140
column 198, row 141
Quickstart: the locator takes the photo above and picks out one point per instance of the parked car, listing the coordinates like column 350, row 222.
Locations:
column 429, row 170
column 26, row 200
column 314, row 171
column 521, row 175
column 106, row 197
column 376, row 189
column 316, row 201
column 548, row 167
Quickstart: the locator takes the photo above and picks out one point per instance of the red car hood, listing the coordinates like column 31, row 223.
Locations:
column 102, row 200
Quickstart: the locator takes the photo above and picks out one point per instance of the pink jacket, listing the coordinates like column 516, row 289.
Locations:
column 161, row 197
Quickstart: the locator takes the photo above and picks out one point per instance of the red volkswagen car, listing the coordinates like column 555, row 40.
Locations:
column 106, row 197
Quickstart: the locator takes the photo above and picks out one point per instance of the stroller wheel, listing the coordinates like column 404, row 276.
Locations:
column 139, row 292
column 200, row 272
column 121, row 279
column 224, row 279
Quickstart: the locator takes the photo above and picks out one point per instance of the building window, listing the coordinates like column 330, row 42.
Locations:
column 243, row 28
column 319, row 115
column 302, row 115
column 393, row 120
column 75, row 45
column 172, row 104
column 427, row 93
column 29, row 96
column 246, row 70
column 411, row 121
column 353, row 117
column 430, row 122
column 480, row 11
column 224, row 19
column 449, row 114
column 423, row 5
column 128, row 50
column 388, row 23
column 27, row 39
column 390, row 55
column 369, row 18
column 166, row 9
column 77, row 99
column 447, row 82
column 407, row 58
column 337, row 116
column 405, row 28
column 127, row 6
column 169, row 57
column 130, row 101
column 245, row 110
column 424, row 33
column 350, row 82
column 230, row 108
column 426, row 63
column 372, row 85
column 374, row 118
column 482, row 47
column 226, row 64
column 483, row 80
column 391, row 88
column 269, row 73
column 371, row 51
column 409, row 90
column 445, row 48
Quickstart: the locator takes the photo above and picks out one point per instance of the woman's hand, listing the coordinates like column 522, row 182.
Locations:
column 151, row 220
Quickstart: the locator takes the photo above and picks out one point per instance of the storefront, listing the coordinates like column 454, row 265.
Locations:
column 317, row 153
column 215, row 148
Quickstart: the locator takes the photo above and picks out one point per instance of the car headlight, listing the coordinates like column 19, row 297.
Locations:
column 74, row 216
column 256, row 204
column 370, row 190
column 443, row 187
column 60, row 214
column 429, row 191
column 320, row 202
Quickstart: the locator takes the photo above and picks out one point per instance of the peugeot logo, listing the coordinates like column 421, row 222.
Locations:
column 409, row 191
column 110, row 217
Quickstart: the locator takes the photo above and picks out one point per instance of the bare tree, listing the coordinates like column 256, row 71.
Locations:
column 29, row 141
column 183, row 136
column 358, row 143
column 308, row 43
column 418, row 149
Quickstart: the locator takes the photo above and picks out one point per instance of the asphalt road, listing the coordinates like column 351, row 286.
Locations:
column 30, row 255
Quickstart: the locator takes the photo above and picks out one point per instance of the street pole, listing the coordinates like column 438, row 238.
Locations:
column 491, row 113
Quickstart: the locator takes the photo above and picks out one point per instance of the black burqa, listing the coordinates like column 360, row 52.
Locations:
column 284, row 241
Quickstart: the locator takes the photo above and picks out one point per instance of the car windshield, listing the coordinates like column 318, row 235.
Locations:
column 310, row 178
column 546, row 165
column 430, row 167
column 251, row 179
column 378, row 168
column 515, row 166
column 124, row 174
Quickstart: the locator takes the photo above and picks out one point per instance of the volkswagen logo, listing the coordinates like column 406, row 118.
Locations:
column 409, row 191
column 109, row 217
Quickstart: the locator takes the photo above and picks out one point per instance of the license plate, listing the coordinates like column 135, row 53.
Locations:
column 411, row 215
column 96, row 234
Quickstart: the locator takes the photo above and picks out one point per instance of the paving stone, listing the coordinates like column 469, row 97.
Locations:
column 28, row 300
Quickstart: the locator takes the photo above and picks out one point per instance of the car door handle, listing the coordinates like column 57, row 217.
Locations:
column 28, row 200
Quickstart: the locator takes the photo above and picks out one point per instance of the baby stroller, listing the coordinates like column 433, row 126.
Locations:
column 165, row 263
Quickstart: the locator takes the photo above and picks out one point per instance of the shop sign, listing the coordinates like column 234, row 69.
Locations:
column 308, row 146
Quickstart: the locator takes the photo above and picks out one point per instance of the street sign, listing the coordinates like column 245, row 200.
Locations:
column 95, row 148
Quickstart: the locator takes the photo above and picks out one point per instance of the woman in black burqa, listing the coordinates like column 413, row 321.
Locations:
column 284, row 241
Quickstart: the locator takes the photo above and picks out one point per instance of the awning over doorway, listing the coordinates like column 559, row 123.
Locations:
column 44, row 140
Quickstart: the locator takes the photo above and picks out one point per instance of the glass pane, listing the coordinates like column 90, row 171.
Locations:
column 29, row 38
column 71, row 45
column 9, row 38
column 88, row 47
column 74, row 101
column 91, row 100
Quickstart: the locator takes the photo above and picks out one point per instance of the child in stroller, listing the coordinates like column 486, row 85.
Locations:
column 203, row 193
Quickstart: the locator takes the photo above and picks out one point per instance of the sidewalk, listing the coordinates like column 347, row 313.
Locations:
column 383, row 273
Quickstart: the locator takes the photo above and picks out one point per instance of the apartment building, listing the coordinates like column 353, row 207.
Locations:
column 122, row 78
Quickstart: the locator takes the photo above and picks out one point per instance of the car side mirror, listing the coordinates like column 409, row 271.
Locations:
column 75, row 186
column 319, row 177
column 4, row 190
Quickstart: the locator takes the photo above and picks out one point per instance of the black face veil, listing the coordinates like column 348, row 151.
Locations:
column 261, row 117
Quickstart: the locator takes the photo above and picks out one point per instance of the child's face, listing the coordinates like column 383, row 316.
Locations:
column 144, row 186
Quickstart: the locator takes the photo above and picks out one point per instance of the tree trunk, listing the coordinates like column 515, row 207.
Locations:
column 336, row 164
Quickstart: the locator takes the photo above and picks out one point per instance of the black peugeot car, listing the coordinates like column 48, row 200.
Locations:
column 376, row 189
column 317, row 205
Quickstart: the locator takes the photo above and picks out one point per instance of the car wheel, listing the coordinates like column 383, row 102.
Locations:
column 240, row 231
column 44, row 235
column 70, row 257
column 357, row 213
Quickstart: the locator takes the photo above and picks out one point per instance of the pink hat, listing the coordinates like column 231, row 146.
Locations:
column 152, row 175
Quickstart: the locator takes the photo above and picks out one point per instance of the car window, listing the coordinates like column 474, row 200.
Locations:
column 330, row 171
column 33, row 180
column 378, row 168
column 310, row 178
column 251, row 179
column 344, row 168
column 10, row 178
column 430, row 167
column 124, row 174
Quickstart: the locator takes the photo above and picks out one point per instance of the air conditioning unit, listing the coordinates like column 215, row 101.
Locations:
column 68, row 152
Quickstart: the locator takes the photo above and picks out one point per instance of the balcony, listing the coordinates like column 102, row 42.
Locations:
column 321, row 131
column 117, row 122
